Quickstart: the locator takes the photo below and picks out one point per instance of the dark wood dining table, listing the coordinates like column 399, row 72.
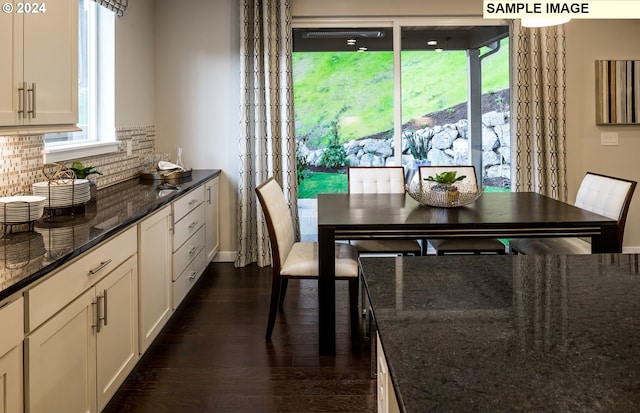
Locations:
column 398, row 216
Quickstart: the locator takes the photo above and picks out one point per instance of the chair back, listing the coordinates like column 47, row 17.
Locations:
column 376, row 180
column 608, row 196
column 469, row 182
column 279, row 221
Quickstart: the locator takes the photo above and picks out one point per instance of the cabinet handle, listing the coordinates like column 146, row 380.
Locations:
column 32, row 112
column 209, row 195
column 193, row 201
column 193, row 250
column 171, row 223
column 100, row 267
column 99, row 314
column 22, row 100
column 193, row 275
column 104, row 308
column 96, row 323
column 193, row 224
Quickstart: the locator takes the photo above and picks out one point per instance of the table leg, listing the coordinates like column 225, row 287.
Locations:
column 607, row 241
column 327, row 291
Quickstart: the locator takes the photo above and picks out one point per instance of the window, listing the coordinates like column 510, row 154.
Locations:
column 96, row 58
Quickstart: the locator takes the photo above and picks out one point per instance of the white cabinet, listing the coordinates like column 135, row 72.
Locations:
column 155, row 247
column 189, row 240
column 387, row 402
column 78, row 357
column 39, row 82
column 211, row 205
column 12, row 328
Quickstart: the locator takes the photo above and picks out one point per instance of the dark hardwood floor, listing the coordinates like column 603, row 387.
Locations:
column 212, row 355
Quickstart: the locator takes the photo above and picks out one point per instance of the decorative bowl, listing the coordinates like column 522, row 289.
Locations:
column 425, row 194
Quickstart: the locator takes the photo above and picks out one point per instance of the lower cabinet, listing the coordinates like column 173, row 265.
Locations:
column 77, row 359
column 154, row 239
column 387, row 402
column 12, row 328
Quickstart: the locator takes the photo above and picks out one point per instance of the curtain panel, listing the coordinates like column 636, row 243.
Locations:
column 539, row 101
column 117, row 6
column 267, row 135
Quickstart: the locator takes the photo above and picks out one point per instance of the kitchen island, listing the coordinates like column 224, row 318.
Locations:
column 58, row 237
column 519, row 333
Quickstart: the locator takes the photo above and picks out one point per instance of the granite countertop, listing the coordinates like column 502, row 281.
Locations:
column 56, row 239
column 510, row 334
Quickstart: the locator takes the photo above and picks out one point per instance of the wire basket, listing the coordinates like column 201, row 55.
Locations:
column 425, row 194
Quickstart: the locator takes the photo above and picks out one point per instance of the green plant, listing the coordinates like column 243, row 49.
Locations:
column 419, row 144
column 446, row 178
column 82, row 171
column 301, row 164
column 334, row 156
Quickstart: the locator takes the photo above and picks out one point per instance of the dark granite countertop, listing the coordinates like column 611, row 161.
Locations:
column 57, row 239
column 510, row 334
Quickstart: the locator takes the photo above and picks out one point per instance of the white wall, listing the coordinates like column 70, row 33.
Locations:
column 135, row 62
column 588, row 41
column 197, row 94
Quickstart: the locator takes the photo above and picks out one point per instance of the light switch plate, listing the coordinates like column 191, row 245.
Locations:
column 608, row 139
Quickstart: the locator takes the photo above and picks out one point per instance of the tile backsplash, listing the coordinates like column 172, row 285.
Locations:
column 21, row 160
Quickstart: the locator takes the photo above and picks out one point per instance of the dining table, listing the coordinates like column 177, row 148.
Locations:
column 344, row 216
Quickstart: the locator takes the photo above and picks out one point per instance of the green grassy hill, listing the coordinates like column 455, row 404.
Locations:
column 355, row 90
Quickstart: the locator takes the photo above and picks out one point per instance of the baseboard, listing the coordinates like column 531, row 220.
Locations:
column 225, row 256
column 631, row 250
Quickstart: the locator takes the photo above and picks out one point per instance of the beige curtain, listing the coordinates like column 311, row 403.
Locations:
column 538, row 100
column 267, row 137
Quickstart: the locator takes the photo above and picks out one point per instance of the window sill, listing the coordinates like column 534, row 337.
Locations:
column 67, row 152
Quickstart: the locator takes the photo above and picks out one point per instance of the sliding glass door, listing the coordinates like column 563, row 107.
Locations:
column 396, row 93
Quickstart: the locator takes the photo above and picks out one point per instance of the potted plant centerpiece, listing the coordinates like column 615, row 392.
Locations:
column 444, row 183
column 82, row 172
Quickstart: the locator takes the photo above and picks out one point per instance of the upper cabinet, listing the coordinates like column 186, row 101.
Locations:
column 39, row 78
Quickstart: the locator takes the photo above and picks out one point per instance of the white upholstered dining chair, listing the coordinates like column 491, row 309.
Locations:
column 381, row 180
column 461, row 245
column 602, row 194
column 299, row 260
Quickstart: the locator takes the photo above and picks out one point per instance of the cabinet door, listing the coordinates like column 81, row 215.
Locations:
column 117, row 340
column 60, row 360
column 11, row 380
column 51, row 62
column 12, row 328
column 154, row 271
column 212, row 224
column 10, row 71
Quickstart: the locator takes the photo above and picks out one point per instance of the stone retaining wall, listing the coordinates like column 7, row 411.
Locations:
column 441, row 145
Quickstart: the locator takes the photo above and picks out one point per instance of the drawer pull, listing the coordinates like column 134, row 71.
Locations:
column 193, row 201
column 193, row 250
column 100, row 267
column 193, row 224
column 193, row 275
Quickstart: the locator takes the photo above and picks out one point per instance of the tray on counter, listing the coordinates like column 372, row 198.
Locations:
column 165, row 175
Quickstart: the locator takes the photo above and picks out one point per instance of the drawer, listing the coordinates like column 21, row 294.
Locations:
column 189, row 276
column 189, row 225
column 187, row 203
column 11, row 326
column 63, row 286
column 187, row 252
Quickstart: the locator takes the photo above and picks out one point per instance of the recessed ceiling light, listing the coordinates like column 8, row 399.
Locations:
column 362, row 49
column 439, row 49
column 351, row 42
column 432, row 42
